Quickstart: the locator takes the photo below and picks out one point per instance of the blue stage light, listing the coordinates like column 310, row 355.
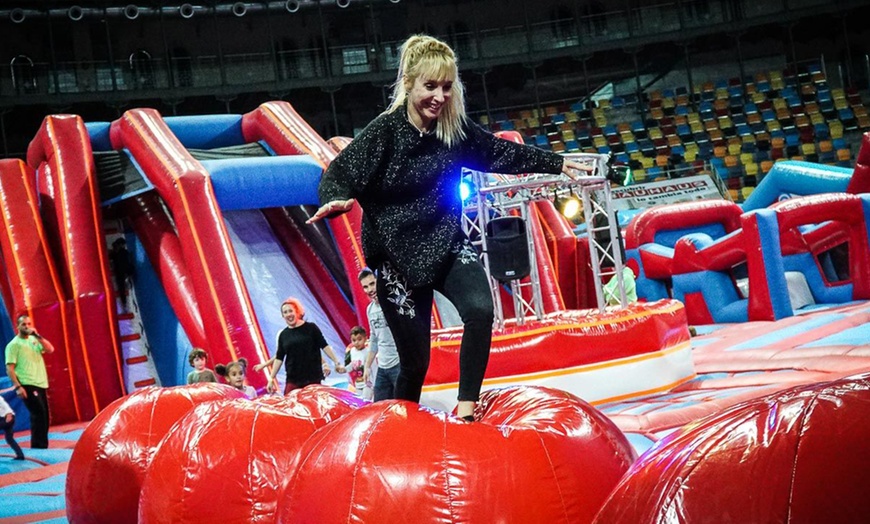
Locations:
column 464, row 190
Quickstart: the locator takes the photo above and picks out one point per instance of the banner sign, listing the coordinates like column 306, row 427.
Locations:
column 686, row 189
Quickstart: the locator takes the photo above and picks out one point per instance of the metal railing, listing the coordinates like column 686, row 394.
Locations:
column 499, row 195
column 365, row 61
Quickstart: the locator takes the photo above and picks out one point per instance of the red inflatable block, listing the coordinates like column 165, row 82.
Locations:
column 225, row 461
column 111, row 457
column 551, row 458
column 796, row 456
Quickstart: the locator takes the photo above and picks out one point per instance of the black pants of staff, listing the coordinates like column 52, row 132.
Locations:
column 37, row 405
column 408, row 313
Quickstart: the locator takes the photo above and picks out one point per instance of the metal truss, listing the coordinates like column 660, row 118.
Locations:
column 511, row 195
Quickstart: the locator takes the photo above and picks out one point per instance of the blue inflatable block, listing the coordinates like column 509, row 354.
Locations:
column 261, row 182
column 670, row 237
column 7, row 330
column 207, row 131
column 774, row 269
column 99, row 133
column 22, row 416
column 797, row 178
column 169, row 343
column 825, row 293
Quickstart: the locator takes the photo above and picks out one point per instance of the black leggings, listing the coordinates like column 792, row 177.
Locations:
column 408, row 313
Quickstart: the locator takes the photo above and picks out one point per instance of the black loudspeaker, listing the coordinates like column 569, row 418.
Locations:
column 508, row 248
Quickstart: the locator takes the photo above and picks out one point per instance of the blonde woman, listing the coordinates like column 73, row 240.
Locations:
column 404, row 170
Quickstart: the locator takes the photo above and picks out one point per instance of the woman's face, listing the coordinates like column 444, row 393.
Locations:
column 428, row 97
column 289, row 315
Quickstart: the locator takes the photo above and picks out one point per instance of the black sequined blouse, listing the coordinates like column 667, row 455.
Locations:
column 407, row 184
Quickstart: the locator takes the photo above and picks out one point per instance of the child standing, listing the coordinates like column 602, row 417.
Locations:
column 122, row 268
column 234, row 374
column 7, row 422
column 355, row 358
column 198, row 358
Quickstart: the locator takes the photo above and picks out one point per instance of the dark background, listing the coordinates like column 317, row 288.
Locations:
column 335, row 64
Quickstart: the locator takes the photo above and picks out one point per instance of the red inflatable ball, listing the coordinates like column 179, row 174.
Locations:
column 110, row 459
column 535, row 455
column 225, row 461
column 799, row 455
column 321, row 403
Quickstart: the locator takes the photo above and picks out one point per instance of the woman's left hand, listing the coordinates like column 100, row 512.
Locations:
column 574, row 170
column 336, row 207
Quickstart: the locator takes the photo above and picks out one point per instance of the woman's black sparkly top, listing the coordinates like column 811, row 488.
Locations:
column 407, row 183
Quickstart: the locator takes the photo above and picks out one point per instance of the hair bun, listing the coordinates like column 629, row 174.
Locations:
column 419, row 45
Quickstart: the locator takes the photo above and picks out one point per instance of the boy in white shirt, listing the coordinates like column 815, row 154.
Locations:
column 381, row 344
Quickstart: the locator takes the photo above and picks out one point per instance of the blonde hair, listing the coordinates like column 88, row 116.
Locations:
column 430, row 58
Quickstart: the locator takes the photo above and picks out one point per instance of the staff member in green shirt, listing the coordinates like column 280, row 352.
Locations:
column 26, row 368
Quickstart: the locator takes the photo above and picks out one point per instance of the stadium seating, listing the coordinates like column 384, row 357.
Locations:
column 736, row 128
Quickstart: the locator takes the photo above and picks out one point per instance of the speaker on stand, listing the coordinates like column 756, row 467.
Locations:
column 507, row 248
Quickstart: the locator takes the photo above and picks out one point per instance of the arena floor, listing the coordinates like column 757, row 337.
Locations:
column 733, row 363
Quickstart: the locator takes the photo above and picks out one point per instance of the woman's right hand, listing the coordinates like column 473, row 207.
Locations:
column 336, row 207
column 575, row 170
column 272, row 386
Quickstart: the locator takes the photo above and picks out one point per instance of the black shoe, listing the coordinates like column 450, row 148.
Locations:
column 19, row 457
column 468, row 418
